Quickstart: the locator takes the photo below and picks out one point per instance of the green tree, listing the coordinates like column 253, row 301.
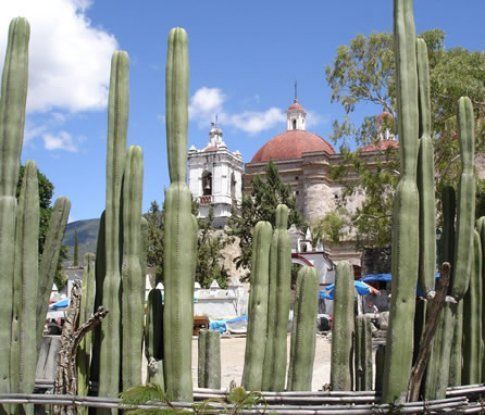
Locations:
column 267, row 192
column 330, row 227
column 363, row 76
column 210, row 258
column 154, row 217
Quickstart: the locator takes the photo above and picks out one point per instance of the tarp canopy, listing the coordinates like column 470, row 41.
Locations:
column 361, row 287
column 377, row 278
column 64, row 303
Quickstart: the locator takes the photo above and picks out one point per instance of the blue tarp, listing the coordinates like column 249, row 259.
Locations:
column 328, row 292
column 64, row 303
column 377, row 278
column 221, row 325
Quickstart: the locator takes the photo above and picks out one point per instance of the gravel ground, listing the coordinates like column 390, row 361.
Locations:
column 232, row 361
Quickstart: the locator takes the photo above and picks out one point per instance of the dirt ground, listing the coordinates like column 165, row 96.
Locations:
column 232, row 361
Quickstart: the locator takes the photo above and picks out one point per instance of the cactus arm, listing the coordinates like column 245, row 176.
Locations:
column 133, row 277
column 50, row 259
column 363, row 354
column 343, row 329
column 180, row 237
column 405, row 231
column 472, row 324
column 465, row 202
column 427, row 213
column 177, row 95
column 13, row 96
column 110, row 360
column 305, row 330
column 209, row 364
column 24, row 322
column 258, row 308
column 12, row 104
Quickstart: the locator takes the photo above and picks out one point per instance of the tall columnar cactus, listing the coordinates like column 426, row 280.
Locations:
column 363, row 354
column 144, row 245
column 209, row 365
column 83, row 358
column 110, row 353
column 23, row 354
column 154, row 337
column 472, row 324
column 274, row 370
column 252, row 378
column 456, row 352
column 427, row 210
column 405, row 232
column 303, row 336
column 13, row 97
column 380, row 362
column 180, row 237
column 481, row 231
column 343, row 328
column 465, row 202
column 133, row 276
column 50, row 259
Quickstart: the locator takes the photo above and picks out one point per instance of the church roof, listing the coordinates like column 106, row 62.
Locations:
column 290, row 145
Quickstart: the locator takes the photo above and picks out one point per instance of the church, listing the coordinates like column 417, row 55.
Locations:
column 218, row 176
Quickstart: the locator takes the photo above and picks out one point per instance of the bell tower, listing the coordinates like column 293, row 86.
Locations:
column 295, row 114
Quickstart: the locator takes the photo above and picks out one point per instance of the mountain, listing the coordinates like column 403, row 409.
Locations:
column 87, row 234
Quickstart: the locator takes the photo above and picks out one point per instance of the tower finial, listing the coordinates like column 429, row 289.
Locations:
column 296, row 92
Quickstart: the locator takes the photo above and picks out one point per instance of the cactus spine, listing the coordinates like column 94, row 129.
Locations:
column 87, row 308
column 50, row 259
column 405, row 233
column 472, row 324
column 23, row 356
column 258, row 308
column 133, row 276
column 363, row 354
column 303, row 339
column 274, row 370
column 209, row 373
column 343, row 329
column 180, row 237
column 110, row 359
column 427, row 210
column 13, row 97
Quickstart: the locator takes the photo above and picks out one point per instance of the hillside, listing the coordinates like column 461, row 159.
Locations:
column 87, row 233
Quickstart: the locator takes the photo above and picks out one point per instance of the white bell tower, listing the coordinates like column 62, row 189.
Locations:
column 295, row 114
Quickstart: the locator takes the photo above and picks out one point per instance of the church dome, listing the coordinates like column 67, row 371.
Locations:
column 291, row 145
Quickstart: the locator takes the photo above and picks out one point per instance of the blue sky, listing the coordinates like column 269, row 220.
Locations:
column 244, row 59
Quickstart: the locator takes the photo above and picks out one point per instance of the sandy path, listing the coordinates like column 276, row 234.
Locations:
column 232, row 361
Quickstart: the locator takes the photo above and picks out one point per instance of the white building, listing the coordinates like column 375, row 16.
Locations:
column 215, row 177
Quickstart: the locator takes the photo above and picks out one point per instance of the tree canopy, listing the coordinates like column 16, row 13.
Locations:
column 362, row 76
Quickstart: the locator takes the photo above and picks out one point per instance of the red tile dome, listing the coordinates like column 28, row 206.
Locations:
column 290, row 145
column 381, row 145
column 295, row 106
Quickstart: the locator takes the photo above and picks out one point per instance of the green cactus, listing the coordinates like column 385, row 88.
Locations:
column 258, row 308
column 209, row 365
column 274, row 368
column 481, row 231
column 144, row 244
column 303, row 336
column 472, row 324
column 343, row 328
column 110, row 353
column 363, row 354
column 405, row 231
column 50, row 259
column 133, row 276
column 13, row 97
column 180, row 237
column 83, row 358
column 427, row 210
column 23, row 354
column 456, row 354
column 154, row 337
column 466, row 202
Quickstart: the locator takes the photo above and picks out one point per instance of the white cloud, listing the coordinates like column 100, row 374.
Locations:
column 61, row 141
column 253, row 122
column 69, row 58
column 205, row 103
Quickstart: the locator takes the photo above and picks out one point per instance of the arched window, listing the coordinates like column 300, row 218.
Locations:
column 294, row 124
column 207, row 183
column 233, row 186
